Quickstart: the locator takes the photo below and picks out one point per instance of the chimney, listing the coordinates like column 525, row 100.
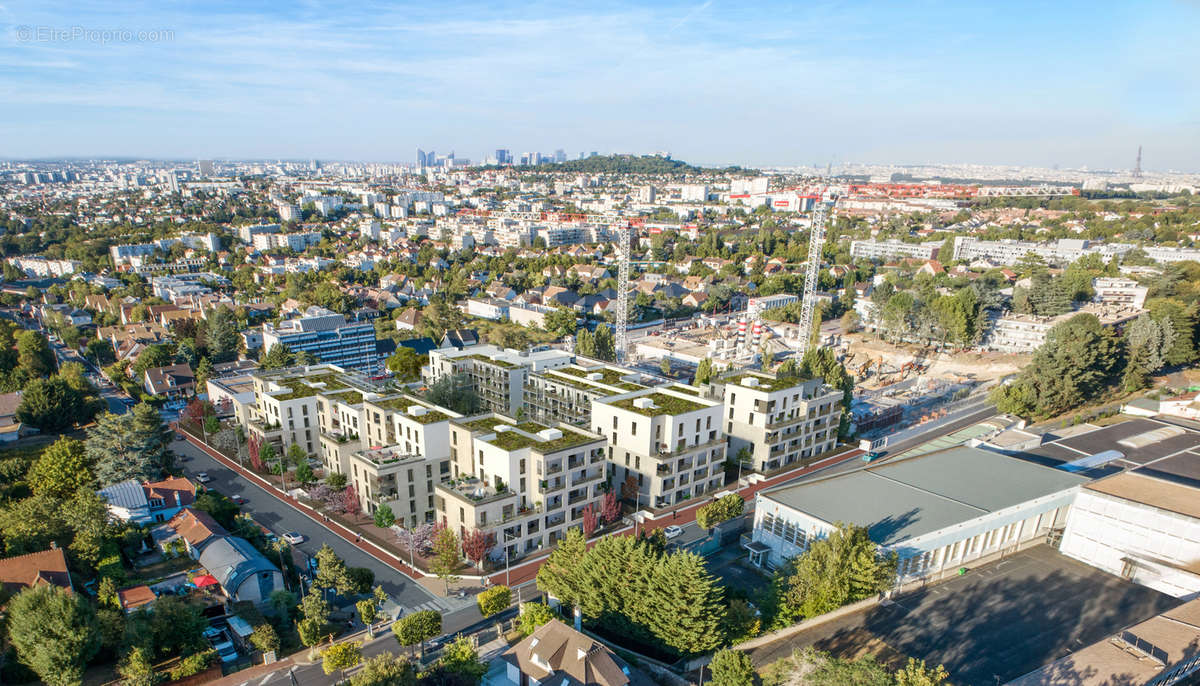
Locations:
column 578, row 619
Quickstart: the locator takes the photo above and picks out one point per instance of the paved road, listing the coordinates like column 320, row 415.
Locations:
column 932, row 431
column 279, row 517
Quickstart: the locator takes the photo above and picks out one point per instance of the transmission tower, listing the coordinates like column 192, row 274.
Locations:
column 816, row 241
column 1137, row 167
column 622, row 292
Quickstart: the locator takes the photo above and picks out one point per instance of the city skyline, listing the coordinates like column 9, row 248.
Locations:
column 1071, row 85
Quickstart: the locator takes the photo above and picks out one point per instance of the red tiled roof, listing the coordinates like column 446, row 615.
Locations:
column 24, row 571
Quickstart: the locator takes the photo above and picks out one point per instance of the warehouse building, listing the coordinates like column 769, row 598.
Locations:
column 937, row 511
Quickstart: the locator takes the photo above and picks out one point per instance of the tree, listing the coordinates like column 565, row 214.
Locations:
column 1074, row 364
column 605, row 344
column 264, row 639
column 1147, row 343
column 135, row 445
column 367, row 612
column 35, row 359
column 704, row 372
column 341, row 656
column 204, row 372
column 461, row 660
column 476, row 545
column 54, row 632
column 664, row 366
column 610, row 508
column 278, row 356
column 558, row 576
column 314, row 607
column 589, row 521
column 222, row 336
column 332, row 571
column 385, row 669
column 561, row 322
column 61, row 469
column 350, row 503
column 406, row 363
column 137, row 669
column 445, row 556
column 304, row 474
column 720, row 510
column 687, row 610
column 532, row 616
column 731, row 668
column 384, row 517
column 417, row 627
column 51, row 405
column 915, row 673
column 455, row 393
column 494, row 600
column 842, row 568
column 177, row 626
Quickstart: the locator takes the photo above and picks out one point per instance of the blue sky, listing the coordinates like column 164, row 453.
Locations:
column 711, row 81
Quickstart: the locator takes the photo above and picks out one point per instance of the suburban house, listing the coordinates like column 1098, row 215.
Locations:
column 26, row 571
column 559, row 655
column 10, row 428
column 134, row 597
column 142, row 503
column 190, row 530
column 242, row 571
column 173, row 381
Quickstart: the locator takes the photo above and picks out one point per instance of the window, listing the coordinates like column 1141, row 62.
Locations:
column 633, row 429
column 614, row 422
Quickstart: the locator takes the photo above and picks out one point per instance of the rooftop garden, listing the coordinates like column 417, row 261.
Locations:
column 608, row 376
column 684, row 388
column 350, row 397
column 401, row 403
column 494, row 360
column 765, row 382
column 512, row 440
column 663, row 405
column 485, row 424
column 306, row 386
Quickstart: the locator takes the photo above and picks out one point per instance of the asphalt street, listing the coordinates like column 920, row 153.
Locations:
column 279, row 517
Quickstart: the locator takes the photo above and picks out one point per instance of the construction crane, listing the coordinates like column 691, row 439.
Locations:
column 816, row 241
column 623, row 249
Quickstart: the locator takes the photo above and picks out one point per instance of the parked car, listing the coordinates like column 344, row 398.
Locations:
column 237, row 498
column 203, row 477
column 294, row 537
column 673, row 531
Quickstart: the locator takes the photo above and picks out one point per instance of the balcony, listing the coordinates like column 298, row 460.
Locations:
column 663, row 470
column 551, row 485
column 474, row 491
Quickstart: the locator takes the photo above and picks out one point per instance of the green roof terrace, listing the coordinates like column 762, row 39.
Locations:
column 527, row 435
column 663, row 404
column 766, row 382
column 402, row 403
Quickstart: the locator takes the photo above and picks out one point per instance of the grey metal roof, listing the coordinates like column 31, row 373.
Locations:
column 127, row 494
column 912, row 497
column 231, row 560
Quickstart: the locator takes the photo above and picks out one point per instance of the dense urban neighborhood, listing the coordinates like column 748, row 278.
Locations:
column 618, row 418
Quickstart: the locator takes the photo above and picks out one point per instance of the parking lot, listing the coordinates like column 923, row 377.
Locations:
column 997, row 622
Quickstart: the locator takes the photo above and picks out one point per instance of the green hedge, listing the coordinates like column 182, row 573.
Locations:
column 720, row 510
column 110, row 563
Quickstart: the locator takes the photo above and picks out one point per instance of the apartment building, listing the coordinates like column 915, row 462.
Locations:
column 300, row 404
column 403, row 481
column 565, row 394
column 781, row 421
column 1119, row 291
column 1025, row 333
column 892, row 249
column 522, row 483
column 497, row 375
column 329, row 336
column 665, row 444
column 1010, row 252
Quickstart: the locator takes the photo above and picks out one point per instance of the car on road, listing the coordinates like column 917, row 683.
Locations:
column 179, row 437
column 294, row 537
column 673, row 531
column 237, row 498
column 203, row 477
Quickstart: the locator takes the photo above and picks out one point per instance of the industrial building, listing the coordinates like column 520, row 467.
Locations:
column 938, row 511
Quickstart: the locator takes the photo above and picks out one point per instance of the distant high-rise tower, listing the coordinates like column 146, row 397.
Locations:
column 560, row 155
column 420, row 158
column 205, row 167
column 503, row 156
column 1137, row 167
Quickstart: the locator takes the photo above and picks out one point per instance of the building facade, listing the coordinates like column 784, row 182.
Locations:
column 329, row 337
column 779, row 421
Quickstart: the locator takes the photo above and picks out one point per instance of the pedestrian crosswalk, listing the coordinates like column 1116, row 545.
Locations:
column 444, row 605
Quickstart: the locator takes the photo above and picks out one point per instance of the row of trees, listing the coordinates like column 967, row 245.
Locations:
column 631, row 588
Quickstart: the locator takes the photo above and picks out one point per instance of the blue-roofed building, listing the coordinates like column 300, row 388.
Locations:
column 242, row 571
column 936, row 511
column 329, row 337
